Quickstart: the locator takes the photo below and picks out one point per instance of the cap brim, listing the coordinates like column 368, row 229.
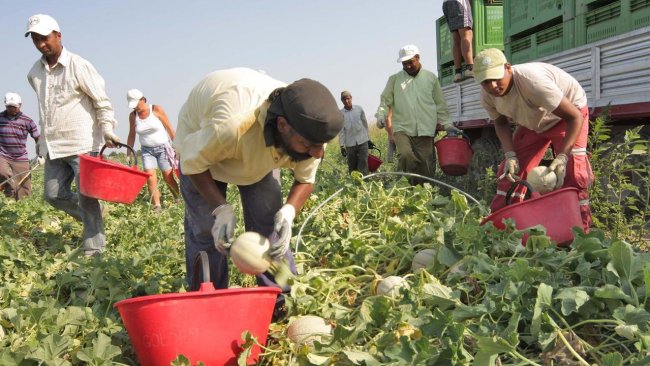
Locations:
column 405, row 58
column 41, row 31
column 133, row 104
column 493, row 73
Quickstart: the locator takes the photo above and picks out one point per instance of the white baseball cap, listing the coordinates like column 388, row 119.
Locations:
column 41, row 24
column 12, row 100
column 133, row 96
column 408, row 52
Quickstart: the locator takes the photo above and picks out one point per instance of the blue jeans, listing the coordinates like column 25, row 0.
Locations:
column 58, row 177
column 155, row 157
column 260, row 202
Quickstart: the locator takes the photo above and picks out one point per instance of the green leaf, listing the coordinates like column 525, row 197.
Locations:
column 612, row 359
column 612, row 292
column 572, row 299
column 633, row 315
column 494, row 345
column 621, row 259
column 544, row 297
column 361, row 358
column 627, row 331
column 52, row 349
column 101, row 353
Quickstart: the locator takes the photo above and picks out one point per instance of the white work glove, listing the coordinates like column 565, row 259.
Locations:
column 558, row 166
column 381, row 121
column 511, row 167
column 111, row 139
column 223, row 228
column 129, row 159
column 282, row 226
column 40, row 160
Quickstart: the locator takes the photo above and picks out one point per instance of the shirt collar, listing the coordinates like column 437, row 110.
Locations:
column 64, row 58
column 7, row 116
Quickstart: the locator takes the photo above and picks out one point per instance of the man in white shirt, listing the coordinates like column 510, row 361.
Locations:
column 75, row 116
column 548, row 107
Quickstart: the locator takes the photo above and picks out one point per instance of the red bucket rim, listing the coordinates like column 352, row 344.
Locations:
column 515, row 205
column 195, row 294
column 111, row 164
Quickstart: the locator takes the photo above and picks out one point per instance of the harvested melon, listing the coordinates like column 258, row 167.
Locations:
column 542, row 179
column 423, row 259
column 390, row 286
column 250, row 253
column 307, row 329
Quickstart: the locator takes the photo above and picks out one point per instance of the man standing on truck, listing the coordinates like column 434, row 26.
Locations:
column 458, row 14
column 415, row 97
column 239, row 126
column 548, row 107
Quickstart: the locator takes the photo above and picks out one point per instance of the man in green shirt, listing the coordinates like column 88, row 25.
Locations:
column 415, row 98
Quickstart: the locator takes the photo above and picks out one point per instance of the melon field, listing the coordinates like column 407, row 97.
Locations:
column 475, row 296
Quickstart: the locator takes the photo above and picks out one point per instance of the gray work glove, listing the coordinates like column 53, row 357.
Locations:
column 129, row 159
column 223, row 228
column 453, row 130
column 282, row 226
column 558, row 165
column 111, row 139
column 511, row 167
column 381, row 121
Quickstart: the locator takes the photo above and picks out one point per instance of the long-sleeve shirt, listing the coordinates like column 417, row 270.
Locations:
column 417, row 102
column 13, row 135
column 355, row 127
column 73, row 106
column 221, row 130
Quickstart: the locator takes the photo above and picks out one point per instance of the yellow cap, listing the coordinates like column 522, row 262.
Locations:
column 488, row 65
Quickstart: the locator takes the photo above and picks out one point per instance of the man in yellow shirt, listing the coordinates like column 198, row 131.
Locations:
column 238, row 126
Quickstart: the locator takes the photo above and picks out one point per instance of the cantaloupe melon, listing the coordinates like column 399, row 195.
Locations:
column 423, row 259
column 308, row 328
column 542, row 179
column 390, row 286
column 250, row 253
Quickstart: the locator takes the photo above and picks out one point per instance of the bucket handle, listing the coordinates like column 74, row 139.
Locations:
column 117, row 145
column 530, row 192
column 202, row 259
column 378, row 151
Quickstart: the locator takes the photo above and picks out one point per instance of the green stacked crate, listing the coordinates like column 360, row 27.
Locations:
column 548, row 41
column 488, row 30
column 600, row 20
column 640, row 13
column 524, row 17
column 446, row 73
column 443, row 42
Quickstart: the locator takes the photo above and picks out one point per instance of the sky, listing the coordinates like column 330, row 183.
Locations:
column 165, row 47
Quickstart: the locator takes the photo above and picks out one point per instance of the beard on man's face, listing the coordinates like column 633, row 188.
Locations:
column 281, row 143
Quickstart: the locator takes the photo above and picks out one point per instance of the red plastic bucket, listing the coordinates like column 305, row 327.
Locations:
column 204, row 325
column 374, row 161
column 558, row 211
column 454, row 154
column 109, row 181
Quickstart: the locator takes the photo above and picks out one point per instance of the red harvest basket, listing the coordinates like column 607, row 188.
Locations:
column 374, row 161
column 204, row 325
column 454, row 154
column 558, row 211
column 109, row 181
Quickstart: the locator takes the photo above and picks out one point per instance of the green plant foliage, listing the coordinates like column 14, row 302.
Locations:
column 484, row 300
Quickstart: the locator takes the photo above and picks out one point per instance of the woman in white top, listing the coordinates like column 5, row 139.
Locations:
column 152, row 126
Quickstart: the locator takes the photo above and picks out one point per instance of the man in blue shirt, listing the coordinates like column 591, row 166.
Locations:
column 353, row 138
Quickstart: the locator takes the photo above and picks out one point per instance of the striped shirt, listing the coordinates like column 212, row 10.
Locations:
column 13, row 135
column 73, row 106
